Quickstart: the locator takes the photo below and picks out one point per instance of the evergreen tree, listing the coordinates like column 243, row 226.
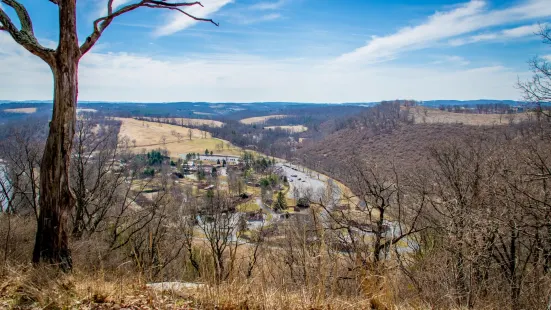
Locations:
column 280, row 203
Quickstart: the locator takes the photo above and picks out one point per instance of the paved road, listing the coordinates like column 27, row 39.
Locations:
column 309, row 184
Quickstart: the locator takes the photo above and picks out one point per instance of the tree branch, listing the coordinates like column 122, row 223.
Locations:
column 189, row 15
column 24, row 37
column 102, row 23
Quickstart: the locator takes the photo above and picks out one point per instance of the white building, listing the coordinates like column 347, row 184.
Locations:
column 215, row 158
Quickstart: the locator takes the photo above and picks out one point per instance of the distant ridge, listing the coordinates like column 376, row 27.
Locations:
column 429, row 103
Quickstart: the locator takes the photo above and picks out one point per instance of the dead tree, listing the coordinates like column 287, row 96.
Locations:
column 96, row 173
column 19, row 179
column 376, row 209
column 538, row 89
column 218, row 223
column 56, row 197
column 464, row 173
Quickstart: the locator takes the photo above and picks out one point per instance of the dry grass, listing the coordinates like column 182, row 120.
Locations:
column 425, row 115
column 114, row 283
column 193, row 121
column 25, row 287
column 21, row 110
column 261, row 119
column 249, row 206
column 294, row 129
column 149, row 136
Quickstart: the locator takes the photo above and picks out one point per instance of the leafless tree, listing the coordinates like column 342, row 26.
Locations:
column 538, row 89
column 218, row 223
column 379, row 215
column 56, row 197
column 97, row 173
column 21, row 154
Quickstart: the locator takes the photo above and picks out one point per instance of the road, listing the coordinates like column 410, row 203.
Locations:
column 314, row 185
column 309, row 184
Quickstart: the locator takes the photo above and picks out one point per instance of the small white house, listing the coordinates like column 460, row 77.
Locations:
column 215, row 158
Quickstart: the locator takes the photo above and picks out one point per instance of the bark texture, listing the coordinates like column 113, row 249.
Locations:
column 56, row 198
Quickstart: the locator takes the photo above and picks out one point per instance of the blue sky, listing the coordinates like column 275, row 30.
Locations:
column 292, row 50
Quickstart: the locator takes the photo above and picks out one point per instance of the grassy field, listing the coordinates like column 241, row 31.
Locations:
column 194, row 121
column 431, row 116
column 249, row 206
column 296, row 128
column 149, row 136
column 261, row 119
column 21, row 110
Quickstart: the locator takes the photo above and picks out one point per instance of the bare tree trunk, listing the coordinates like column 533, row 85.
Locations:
column 56, row 198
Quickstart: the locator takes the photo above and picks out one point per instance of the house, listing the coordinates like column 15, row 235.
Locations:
column 215, row 158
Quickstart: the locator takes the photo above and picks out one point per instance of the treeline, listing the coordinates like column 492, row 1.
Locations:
column 489, row 108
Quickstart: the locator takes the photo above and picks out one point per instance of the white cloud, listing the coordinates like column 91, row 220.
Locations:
column 178, row 21
column 245, row 78
column 262, row 6
column 263, row 18
column 464, row 19
column 512, row 33
column 454, row 59
column 521, row 31
column 547, row 57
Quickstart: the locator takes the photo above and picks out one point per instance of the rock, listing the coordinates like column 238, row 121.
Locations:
column 174, row 286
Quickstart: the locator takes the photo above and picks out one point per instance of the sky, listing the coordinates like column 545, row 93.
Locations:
column 291, row 50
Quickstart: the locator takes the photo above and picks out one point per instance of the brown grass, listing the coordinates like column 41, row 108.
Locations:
column 193, row 121
column 261, row 119
column 425, row 115
column 25, row 287
column 21, row 110
column 149, row 136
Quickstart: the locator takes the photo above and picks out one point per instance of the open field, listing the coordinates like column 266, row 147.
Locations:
column 150, row 136
column 80, row 110
column 261, row 119
column 192, row 121
column 430, row 116
column 296, row 128
column 249, row 206
column 21, row 110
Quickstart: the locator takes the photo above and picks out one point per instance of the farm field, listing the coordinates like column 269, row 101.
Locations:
column 148, row 136
column 294, row 129
column 21, row 110
column 432, row 116
column 192, row 121
column 261, row 119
